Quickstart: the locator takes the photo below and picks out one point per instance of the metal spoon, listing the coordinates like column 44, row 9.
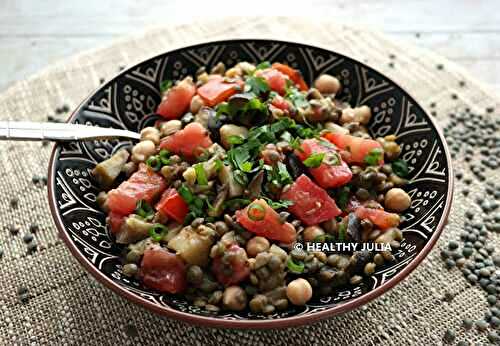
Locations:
column 32, row 131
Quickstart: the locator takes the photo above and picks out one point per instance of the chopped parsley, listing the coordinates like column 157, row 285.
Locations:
column 256, row 85
column 400, row 168
column 263, row 65
column 165, row 85
column 314, row 160
column 201, row 176
column 374, row 157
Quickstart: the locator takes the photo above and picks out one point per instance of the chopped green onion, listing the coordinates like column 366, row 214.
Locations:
column 297, row 268
column 374, row 157
column 240, row 177
column 144, row 210
column 164, row 155
column 165, row 85
column 283, row 175
column 314, row 160
column 154, row 162
column 400, row 168
column 256, row 212
column 332, row 159
column 201, row 176
column 157, row 232
column 186, row 194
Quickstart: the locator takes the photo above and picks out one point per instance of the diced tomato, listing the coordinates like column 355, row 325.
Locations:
column 293, row 74
column 235, row 270
column 281, row 103
column 267, row 225
column 311, row 203
column 275, row 79
column 115, row 222
column 163, row 270
column 216, row 90
column 177, row 99
column 358, row 147
column 379, row 217
column 188, row 142
column 326, row 175
column 173, row 205
column 143, row 184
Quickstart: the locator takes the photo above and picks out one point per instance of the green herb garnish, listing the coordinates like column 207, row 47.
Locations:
column 234, row 140
column 343, row 197
column 400, row 168
column 296, row 268
column 256, row 212
column 282, row 203
column 165, row 85
column 157, row 232
column 144, row 210
column 314, row 160
column 164, row 155
column 374, row 157
column 154, row 162
column 342, row 231
column 256, row 85
column 201, row 176
column 218, row 165
column 246, row 167
column 263, row 65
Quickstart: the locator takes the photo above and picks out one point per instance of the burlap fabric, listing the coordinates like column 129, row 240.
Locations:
column 66, row 306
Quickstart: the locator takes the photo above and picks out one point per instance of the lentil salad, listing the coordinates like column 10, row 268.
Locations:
column 245, row 162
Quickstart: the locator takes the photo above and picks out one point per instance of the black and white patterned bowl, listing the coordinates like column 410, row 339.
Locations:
column 129, row 101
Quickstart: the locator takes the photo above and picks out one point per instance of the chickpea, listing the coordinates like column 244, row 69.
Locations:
column 142, row 150
column 229, row 130
column 233, row 72
column 150, row 133
column 397, row 199
column 246, row 67
column 234, row 298
column 312, row 232
column 347, row 116
column 327, row 84
column 362, row 114
column 170, row 127
column 334, row 128
column 196, row 104
column 299, row 291
column 257, row 245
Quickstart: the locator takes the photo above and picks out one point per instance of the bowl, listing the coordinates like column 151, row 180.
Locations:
column 129, row 101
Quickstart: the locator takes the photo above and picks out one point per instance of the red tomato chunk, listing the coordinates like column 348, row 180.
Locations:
column 173, row 205
column 358, row 147
column 311, row 204
column 265, row 221
column 275, row 79
column 189, row 142
column 326, row 175
column 143, row 184
column 216, row 90
column 235, row 269
column 177, row 99
column 163, row 270
column 293, row 74
column 379, row 217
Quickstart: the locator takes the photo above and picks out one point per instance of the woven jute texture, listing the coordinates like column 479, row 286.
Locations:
column 66, row 306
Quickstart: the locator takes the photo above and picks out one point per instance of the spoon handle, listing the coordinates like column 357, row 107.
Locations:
column 31, row 131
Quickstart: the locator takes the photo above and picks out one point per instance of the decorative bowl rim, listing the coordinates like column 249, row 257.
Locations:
column 284, row 322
